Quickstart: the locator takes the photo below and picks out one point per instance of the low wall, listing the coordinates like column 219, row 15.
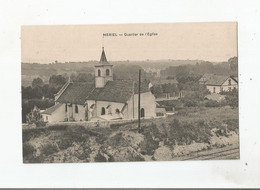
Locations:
column 103, row 124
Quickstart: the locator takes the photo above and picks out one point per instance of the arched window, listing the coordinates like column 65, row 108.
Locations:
column 76, row 109
column 107, row 72
column 229, row 81
column 103, row 111
column 142, row 112
column 99, row 72
column 117, row 111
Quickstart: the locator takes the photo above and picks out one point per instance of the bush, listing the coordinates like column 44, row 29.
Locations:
column 100, row 158
column 28, row 150
column 117, row 140
column 58, row 127
column 29, row 134
column 148, row 145
column 49, row 149
column 76, row 134
column 212, row 103
column 34, row 117
column 186, row 133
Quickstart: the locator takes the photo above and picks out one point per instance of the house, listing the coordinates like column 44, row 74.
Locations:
column 218, row 83
column 102, row 99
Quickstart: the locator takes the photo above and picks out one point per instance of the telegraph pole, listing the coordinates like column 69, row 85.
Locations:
column 139, row 102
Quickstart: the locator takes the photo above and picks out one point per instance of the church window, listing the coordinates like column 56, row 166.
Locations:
column 103, row 111
column 99, row 72
column 229, row 81
column 107, row 72
column 66, row 108
column 214, row 89
column 117, row 111
column 76, row 109
column 142, row 112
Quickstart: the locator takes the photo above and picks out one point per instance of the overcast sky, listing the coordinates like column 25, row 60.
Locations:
column 205, row 41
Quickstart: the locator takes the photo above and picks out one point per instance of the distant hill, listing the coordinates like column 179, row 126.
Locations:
column 159, row 68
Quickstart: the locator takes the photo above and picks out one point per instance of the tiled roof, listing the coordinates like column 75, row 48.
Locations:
column 217, row 80
column 117, row 91
column 114, row 91
column 206, row 77
column 50, row 110
column 76, row 93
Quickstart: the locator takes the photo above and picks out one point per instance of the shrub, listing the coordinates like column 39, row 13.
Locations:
column 212, row 103
column 28, row 150
column 100, row 158
column 189, row 102
column 34, row 117
column 58, row 127
column 76, row 134
column 29, row 134
column 148, row 145
column 49, row 149
column 117, row 140
column 186, row 133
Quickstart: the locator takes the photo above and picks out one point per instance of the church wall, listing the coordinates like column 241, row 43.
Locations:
column 147, row 102
column 114, row 106
column 91, row 111
column 57, row 116
column 80, row 116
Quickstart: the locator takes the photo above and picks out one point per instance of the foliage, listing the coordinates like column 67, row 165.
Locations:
column 34, row 117
column 232, row 98
column 29, row 134
column 100, row 158
column 77, row 134
column 82, row 77
column 38, row 92
column 57, row 81
column 186, row 133
column 28, row 149
column 128, row 72
column 117, row 140
column 28, row 105
column 49, row 149
column 37, row 82
column 212, row 103
column 58, row 127
column 225, row 68
column 152, row 136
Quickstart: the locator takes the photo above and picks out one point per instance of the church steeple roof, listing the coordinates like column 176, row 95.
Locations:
column 103, row 59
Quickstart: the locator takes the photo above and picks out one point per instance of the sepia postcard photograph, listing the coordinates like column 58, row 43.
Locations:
column 129, row 92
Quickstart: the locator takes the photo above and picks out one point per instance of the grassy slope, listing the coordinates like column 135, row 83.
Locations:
column 190, row 130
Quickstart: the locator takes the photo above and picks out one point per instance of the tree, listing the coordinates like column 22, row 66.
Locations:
column 233, row 63
column 157, row 89
column 57, row 81
column 37, row 82
column 34, row 117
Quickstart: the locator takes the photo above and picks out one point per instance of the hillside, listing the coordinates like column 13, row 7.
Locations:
column 190, row 131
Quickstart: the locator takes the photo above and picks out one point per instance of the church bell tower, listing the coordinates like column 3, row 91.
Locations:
column 103, row 71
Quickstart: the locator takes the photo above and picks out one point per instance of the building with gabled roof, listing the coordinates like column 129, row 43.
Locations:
column 102, row 99
column 218, row 83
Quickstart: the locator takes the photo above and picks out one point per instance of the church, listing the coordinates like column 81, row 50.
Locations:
column 103, row 99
